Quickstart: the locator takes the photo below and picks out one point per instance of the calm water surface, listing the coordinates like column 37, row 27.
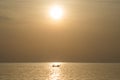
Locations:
column 67, row 71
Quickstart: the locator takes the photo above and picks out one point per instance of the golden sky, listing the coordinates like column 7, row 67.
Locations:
column 87, row 29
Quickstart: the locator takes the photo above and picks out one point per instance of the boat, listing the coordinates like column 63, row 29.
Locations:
column 55, row 65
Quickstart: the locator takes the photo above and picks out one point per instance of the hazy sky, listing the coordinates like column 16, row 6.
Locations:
column 88, row 30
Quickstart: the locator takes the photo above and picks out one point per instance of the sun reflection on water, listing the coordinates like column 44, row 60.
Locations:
column 56, row 63
column 55, row 72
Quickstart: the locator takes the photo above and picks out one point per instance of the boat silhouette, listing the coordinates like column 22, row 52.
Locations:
column 55, row 65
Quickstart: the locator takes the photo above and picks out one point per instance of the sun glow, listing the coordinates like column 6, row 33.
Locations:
column 56, row 12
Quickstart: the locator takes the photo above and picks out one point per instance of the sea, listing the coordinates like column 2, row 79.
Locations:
column 66, row 71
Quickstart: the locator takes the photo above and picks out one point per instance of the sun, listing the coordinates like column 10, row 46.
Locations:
column 56, row 12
